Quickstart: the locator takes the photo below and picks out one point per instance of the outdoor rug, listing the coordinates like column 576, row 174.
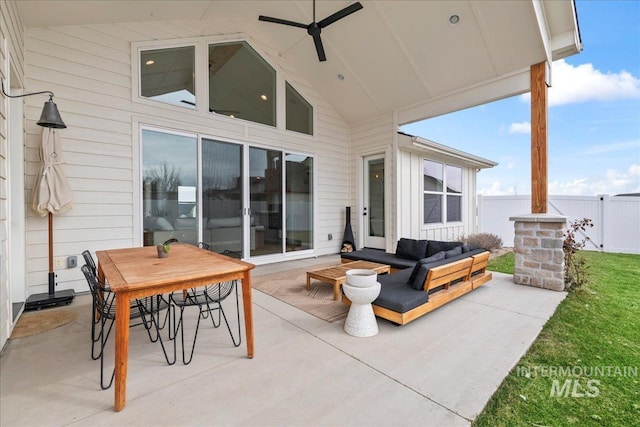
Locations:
column 290, row 287
column 35, row 322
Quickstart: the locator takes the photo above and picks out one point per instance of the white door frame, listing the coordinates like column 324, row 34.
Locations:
column 16, row 258
column 362, row 183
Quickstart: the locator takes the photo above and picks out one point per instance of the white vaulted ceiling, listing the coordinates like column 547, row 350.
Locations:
column 402, row 56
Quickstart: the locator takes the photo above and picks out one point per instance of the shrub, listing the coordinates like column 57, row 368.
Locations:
column 575, row 268
column 490, row 242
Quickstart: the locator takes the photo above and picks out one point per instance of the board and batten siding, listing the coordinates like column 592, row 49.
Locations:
column 411, row 192
column 11, row 54
column 89, row 68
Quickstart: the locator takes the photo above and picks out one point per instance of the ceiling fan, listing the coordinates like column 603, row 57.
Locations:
column 315, row 28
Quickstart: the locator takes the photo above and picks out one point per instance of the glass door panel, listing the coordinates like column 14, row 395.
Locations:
column 374, row 221
column 299, row 202
column 169, row 187
column 265, row 198
column 222, row 197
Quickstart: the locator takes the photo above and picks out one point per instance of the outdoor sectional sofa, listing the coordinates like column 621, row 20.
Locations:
column 427, row 275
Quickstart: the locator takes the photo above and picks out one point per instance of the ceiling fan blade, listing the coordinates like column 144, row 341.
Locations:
column 318, row 42
column 281, row 21
column 340, row 14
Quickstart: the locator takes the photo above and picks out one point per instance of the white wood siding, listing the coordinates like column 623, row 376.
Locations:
column 373, row 137
column 410, row 205
column 89, row 69
column 11, row 51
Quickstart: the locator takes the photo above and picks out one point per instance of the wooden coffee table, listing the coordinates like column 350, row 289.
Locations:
column 337, row 274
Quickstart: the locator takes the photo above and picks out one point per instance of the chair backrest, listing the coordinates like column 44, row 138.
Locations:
column 88, row 259
column 103, row 298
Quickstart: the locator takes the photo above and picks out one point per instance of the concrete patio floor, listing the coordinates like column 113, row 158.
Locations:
column 439, row 370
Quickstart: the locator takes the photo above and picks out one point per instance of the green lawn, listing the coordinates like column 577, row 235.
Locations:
column 595, row 333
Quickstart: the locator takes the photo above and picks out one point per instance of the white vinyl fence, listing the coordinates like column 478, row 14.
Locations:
column 616, row 219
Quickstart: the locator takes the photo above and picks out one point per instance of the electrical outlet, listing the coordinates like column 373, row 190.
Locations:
column 72, row 262
column 59, row 262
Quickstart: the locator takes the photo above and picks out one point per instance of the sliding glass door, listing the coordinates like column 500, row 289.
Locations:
column 222, row 197
column 242, row 201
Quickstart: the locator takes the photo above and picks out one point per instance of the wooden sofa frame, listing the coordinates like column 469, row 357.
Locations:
column 470, row 271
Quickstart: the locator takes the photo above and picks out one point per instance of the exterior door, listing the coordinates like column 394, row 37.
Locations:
column 374, row 202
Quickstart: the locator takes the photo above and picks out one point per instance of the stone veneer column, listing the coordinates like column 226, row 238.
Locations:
column 538, row 251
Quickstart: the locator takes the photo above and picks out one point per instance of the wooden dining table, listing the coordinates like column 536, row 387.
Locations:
column 138, row 272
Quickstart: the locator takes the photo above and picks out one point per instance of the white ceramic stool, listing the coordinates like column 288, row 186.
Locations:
column 362, row 288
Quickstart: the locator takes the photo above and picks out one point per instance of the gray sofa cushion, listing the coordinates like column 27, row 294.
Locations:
column 395, row 295
column 453, row 252
column 411, row 248
column 422, row 269
column 379, row 256
column 435, row 246
column 418, row 267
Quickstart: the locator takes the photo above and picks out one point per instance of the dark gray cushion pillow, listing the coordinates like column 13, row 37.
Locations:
column 469, row 248
column 420, row 271
column 436, row 246
column 411, row 248
column 453, row 252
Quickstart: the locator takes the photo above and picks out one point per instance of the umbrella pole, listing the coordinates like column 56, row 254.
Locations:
column 52, row 298
column 52, row 275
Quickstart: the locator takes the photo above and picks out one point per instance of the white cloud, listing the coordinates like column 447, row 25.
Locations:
column 613, row 182
column 497, row 190
column 521, row 127
column 582, row 83
column 633, row 146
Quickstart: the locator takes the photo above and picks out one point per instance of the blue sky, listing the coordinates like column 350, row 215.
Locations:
column 594, row 116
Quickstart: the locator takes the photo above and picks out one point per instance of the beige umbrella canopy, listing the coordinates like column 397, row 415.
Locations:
column 51, row 195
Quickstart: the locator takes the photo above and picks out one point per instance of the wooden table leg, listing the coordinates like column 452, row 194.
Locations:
column 247, row 306
column 122, row 350
column 308, row 282
column 336, row 289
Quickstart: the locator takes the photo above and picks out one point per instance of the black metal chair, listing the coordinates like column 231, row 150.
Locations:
column 144, row 311
column 209, row 301
column 95, row 334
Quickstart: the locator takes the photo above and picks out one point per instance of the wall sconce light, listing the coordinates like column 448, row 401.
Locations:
column 50, row 117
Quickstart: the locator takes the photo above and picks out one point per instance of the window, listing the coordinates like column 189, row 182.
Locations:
column 442, row 193
column 299, row 112
column 167, row 75
column 169, row 187
column 241, row 83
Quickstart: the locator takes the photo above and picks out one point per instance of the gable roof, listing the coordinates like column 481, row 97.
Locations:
column 402, row 56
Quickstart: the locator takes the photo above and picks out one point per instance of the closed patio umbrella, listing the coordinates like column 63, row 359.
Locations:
column 51, row 195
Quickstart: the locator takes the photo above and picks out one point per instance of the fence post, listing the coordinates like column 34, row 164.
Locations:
column 605, row 205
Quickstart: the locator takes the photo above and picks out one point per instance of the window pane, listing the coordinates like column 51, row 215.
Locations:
column 241, row 83
column 265, row 174
column 432, row 208
column 454, row 208
column 299, row 112
column 432, row 176
column 166, row 75
column 454, row 179
column 299, row 196
column 376, row 197
column 169, row 187
column 222, row 197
